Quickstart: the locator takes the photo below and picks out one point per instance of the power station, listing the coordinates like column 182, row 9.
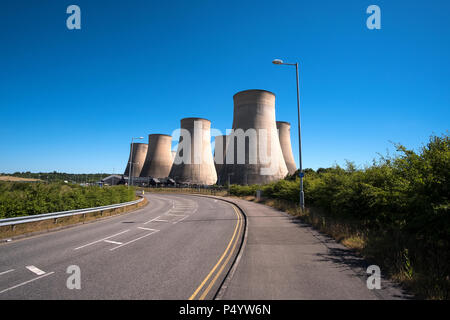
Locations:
column 193, row 163
column 220, row 149
column 138, row 153
column 158, row 161
column 284, row 133
column 257, row 150
column 253, row 153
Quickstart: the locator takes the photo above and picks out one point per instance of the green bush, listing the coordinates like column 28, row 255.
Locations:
column 403, row 201
column 19, row 198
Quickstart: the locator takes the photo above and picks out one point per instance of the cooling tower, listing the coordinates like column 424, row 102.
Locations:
column 219, row 155
column 284, row 133
column 193, row 162
column 254, row 153
column 159, row 156
column 139, row 155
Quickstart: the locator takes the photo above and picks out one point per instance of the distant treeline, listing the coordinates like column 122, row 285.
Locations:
column 20, row 199
column 398, row 208
column 60, row 176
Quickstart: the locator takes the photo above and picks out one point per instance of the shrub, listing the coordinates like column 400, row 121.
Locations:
column 19, row 198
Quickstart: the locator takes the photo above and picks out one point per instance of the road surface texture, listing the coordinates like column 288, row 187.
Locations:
column 183, row 247
column 177, row 247
column 283, row 258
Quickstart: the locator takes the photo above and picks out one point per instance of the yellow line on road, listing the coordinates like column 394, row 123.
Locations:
column 238, row 227
column 224, row 264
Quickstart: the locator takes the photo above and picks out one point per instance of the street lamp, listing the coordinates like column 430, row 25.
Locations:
column 130, row 171
column 301, row 174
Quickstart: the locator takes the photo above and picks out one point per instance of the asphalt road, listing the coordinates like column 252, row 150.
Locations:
column 283, row 258
column 177, row 247
column 182, row 247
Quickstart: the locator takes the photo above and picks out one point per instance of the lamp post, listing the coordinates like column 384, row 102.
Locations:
column 301, row 174
column 130, row 171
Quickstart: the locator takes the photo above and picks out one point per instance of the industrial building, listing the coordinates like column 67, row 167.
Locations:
column 112, row 180
column 257, row 150
column 284, row 133
column 254, row 154
column 193, row 163
column 220, row 149
column 138, row 153
column 158, row 161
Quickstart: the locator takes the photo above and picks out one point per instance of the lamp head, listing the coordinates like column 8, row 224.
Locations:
column 277, row 61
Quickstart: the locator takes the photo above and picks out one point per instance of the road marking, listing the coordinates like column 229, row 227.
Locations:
column 157, row 220
column 7, row 271
column 24, row 283
column 35, row 270
column 180, row 219
column 176, row 215
column 148, row 229
column 151, row 220
column 102, row 239
column 113, row 242
column 124, row 244
column 221, row 269
column 238, row 226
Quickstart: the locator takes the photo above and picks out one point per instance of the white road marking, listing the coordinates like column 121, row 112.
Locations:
column 151, row 220
column 176, row 215
column 24, row 283
column 7, row 271
column 35, row 270
column 113, row 242
column 180, row 219
column 131, row 241
column 157, row 218
column 148, row 229
column 102, row 239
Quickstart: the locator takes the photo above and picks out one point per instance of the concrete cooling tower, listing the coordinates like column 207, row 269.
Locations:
column 139, row 154
column 159, row 156
column 284, row 133
column 219, row 154
column 254, row 153
column 194, row 162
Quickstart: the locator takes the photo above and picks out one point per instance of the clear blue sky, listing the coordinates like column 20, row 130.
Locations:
column 70, row 100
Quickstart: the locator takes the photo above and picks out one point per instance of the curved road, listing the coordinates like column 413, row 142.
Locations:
column 182, row 247
column 176, row 247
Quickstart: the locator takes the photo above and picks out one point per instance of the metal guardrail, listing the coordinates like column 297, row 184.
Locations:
column 61, row 214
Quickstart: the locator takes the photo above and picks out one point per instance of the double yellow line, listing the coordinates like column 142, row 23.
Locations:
column 223, row 261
